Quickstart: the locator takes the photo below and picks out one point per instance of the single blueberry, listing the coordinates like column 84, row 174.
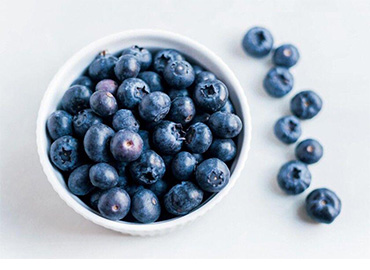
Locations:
column 294, row 177
column 79, row 182
column 167, row 160
column 258, row 42
column 174, row 93
column 143, row 55
column 107, row 85
column 286, row 55
column 65, row 153
column 103, row 176
column 182, row 110
column 323, row 205
column 125, row 119
column 153, row 80
column 114, row 203
column 145, row 206
column 94, row 199
column 96, row 142
column 309, row 151
column 212, row 175
column 133, row 188
column 278, row 82
column 288, row 129
column 102, row 67
column 183, row 166
column 163, row 57
column 76, row 98
column 59, row 124
column 200, row 117
column 198, row 138
column 205, row 76
column 198, row 157
column 126, row 145
column 145, row 136
column 197, row 69
column 83, row 80
column 159, row 188
column 168, row 137
column 154, row 106
column 211, row 96
column 122, row 174
column 183, row 198
column 103, row 103
column 228, row 107
column 83, row 120
column 223, row 149
column 225, row 125
column 131, row 92
column 179, row 74
column 306, row 104
column 128, row 66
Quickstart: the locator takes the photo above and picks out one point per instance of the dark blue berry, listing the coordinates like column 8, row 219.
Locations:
column 114, row 203
column 103, row 176
column 96, row 142
column 103, row 103
column 145, row 206
column 122, row 174
column 159, row 188
column 286, row 55
column 278, row 82
column 323, row 205
column 128, row 66
column 198, row 138
column 306, row 104
column 59, row 124
column 167, row 160
column 94, row 199
column 182, row 110
column 148, row 169
column 76, row 98
column 212, row 175
column 133, row 188
column 145, row 136
column 125, row 119
column 83, row 120
column 211, row 96
column 143, row 55
column 79, row 182
column 201, row 117
column 223, row 149
column 198, row 157
column 168, row 137
column 163, row 57
column 205, row 76
column 294, row 177
column 174, row 93
column 126, row 145
column 65, row 153
column 154, row 106
column 258, row 42
column 228, row 107
column 179, row 74
column 83, row 80
column 197, row 69
column 153, row 80
column 107, row 85
column 225, row 125
column 288, row 129
column 309, row 151
column 131, row 92
column 183, row 166
column 102, row 67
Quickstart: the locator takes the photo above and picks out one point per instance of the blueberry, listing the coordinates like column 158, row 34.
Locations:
column 278, row 82
column 323, row 205
column 124, row 119
column 205, row 76
column 306, row 104
column 102, row 67
column 294, row 177
column 159, row 188
column 96, row 142
column 133, row 188
column 103, row 103
column 183, row 166
column 145, row 206
column 288, row 129
column 107, row 85
column 225, row 125
column 223, row 149
column 153, row 80
column 201, row 117
column 212, row 175
column 163, row 57
column 83, row 80
column 309, row 151
column 168, row 137
column 94, row 199
column 167, row 160
column 198, row 138
column 59, row 124
column 174, row 93
column 183, row 198
column 179, row 74
column 128, row 66
column 131, row 92
column 211, row 96
column 182, row 110
column 145, row 136
column 154, row 106
column 143, row 55
column 122, row 174
column 103, row 176
column 258, row 42
column 76, row 98
column 114, row 204
column 286, row 55
column 228, row 107
column 83, row 120
column 126, row 145
column 197, row 69
column 148, row 169
column 78, row 181
column 64, row 153
column 198, row 157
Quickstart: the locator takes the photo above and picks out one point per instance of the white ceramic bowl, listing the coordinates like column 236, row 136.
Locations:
column 115, row 43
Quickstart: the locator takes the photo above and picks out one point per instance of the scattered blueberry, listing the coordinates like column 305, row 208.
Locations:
column 96, row 142
column 83, row 120
column 168, row 137
column 125, row 119
column 154, row 106
column 183, row 166
column 153, row 80
column 278, row 82
column 211, row 96
column 205, row 76
column 223, row 149
column 286, row 55
column 288, row 129
column 179, row 74
column 107, row 85
column 102, row 67
column 103, row 176
column 126, row 145
column 114, row 203
column 306, row 104
column 103, row 103
column 78, row 181
column 212, row 175
column 76, row 98
column 65, row 153
column 198, row 138
column 182, row 110
column 258, row 42
column 131, row 92
column 143, row 55
column 59, row 124
column 174, row 93
column 225, row 125
column 145, row 206
column 128, row 66
column 294, row 177
column 83, row 80
column 148, row 169
column 309, row 151
column 163, row 57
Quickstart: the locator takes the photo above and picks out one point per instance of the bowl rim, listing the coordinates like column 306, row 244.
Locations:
column 157, row 227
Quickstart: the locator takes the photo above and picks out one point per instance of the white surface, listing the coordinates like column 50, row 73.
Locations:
column 255, row 220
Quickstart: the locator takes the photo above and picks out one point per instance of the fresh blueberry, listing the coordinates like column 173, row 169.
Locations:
column 114, row 203
column 197, row 69
column 94, row 199
column 59, row 124
column 212, row 175
column 288, row 129
column 83, row 120
column 225, row 125
column 163, row 57
column 286, row 55
column 228, row 107
column 103, row 66
column 278, row 82
column 126, row 145
column 205, row 76
column 145, row 206
column 168, row 137
column 148, row 169
column 125, row 119
column 183, row 166
column 323, row 205
column 78, row 181
column 211, row 96
column 223, row 149
column 201, row 117
column 182, row 110
column 174, row 93
column 294, row 177
column 179, row 74
column 103, row 176
column 309, row 151
column 128, row 66
column 143, row 55
column 145, row 136
column 258, row 42
column 198, row 138
column 306, row 104
column 133, row 188
column 64, row 153
column 153, row 80
column 167, row 160
column 198, row 157
column 96, row 142
column 107, row 85
column 159, row 188
column 83, row 80
column 76, row 98
column 154, row 106
column 122, row 174
column 103, row 103
column 131, row 92
column 183, row 198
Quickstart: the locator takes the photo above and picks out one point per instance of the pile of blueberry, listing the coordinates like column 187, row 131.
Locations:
column 144, row 135
column 294, row 177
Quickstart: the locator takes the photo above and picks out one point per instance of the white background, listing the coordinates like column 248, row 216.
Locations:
column 256, row 220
